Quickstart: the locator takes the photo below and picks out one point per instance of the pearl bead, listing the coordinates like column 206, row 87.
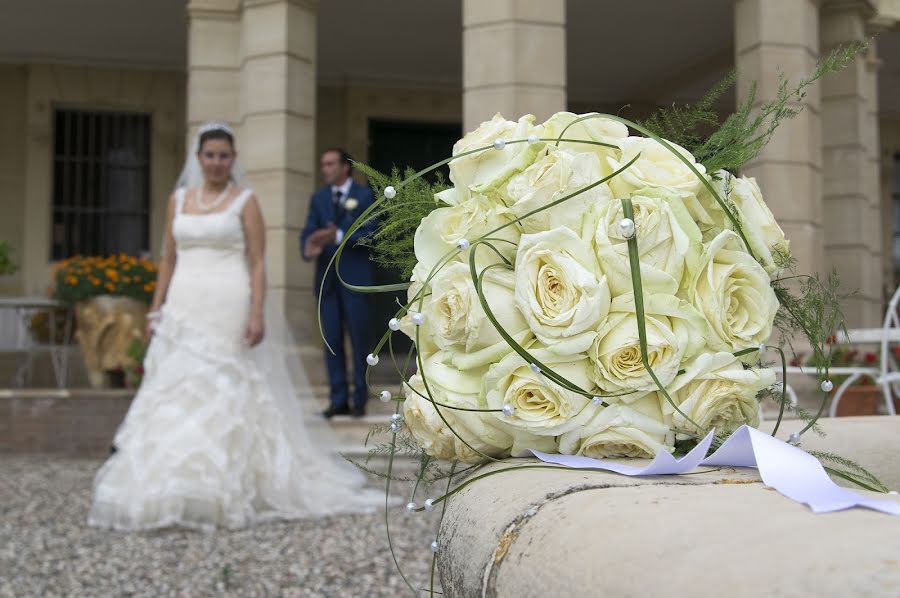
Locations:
column 535, row 368
column 827, row 386
column 394, row 324
column 499, row 144
column 532, row 139
column 372, row 359
column 411, row 507
column 395, row 428
column 462, row 244
column 434, row 546
column 418, row 318
column 597, row 401
column 508, row 410
column 627, row 227
column 762, row 349
column 390, row 192
column 429, row 505
column 385, row 396
column 794, row 439
column 395, row 418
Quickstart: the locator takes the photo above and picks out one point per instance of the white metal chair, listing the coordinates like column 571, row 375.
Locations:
column 886, row 375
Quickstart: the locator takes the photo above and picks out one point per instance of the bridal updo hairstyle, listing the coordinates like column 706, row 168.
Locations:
column 215, row 134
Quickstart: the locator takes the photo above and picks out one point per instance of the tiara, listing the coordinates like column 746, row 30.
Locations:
column 215, row 125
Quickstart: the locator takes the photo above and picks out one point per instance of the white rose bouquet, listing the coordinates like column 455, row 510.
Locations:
column 585, row 291
column 592, row 285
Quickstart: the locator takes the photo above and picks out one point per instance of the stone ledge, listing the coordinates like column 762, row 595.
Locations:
column 721, row 532
column 84, row 421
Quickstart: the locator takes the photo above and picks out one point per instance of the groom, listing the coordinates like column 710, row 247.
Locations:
column 332, row 210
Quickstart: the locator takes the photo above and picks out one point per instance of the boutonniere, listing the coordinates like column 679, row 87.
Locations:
column 351, row 204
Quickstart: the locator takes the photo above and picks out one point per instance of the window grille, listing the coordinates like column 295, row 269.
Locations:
column 101, row 183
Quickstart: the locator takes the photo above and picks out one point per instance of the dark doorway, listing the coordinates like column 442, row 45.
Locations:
column 404, row 144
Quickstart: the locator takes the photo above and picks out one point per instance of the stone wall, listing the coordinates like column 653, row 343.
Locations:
column 30, row 94
column 70, row 422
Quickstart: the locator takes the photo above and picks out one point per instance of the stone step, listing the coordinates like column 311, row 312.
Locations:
column 403, row 465
column 83, row 421
column 308, row 356
column 312, row 357
column 354, row 431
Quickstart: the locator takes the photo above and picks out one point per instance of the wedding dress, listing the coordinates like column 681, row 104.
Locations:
column 215, row 435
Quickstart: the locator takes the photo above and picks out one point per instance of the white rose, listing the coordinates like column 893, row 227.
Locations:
column 542, row 407
column 452, row 388
column 422, row 336
column 438, row 233
column 485, row 171
column 596, row 129
column 675, row 332
column 461, row 327
column 716, row 392
column 759, row 226
column 709, row 216
column 667, row 239
column 560, row 290
column 656, row 167
column 554, row 175
column 733, row 293
column 425, row 425
column 635, row 430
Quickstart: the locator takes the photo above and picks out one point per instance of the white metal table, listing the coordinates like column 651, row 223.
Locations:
column 15, row 335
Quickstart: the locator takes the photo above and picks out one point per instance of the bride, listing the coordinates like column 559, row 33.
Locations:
column 215, row 435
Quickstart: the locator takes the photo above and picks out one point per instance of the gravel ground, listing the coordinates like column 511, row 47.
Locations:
column 47, row 550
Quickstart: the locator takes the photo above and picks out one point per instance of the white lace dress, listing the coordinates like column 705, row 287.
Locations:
column 206, row 442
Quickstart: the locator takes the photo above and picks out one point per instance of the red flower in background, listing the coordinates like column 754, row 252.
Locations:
column 871, row 358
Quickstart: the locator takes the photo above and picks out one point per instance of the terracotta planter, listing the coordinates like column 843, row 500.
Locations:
column 107, row 326
column 861, row 400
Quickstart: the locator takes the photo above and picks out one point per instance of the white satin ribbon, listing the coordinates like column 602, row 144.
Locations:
column 791, row 471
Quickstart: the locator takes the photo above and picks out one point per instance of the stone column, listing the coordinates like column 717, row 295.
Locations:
column 773, row 37
column 514, row 59
column 851, row 157
column 213, row 63
column 277, row 107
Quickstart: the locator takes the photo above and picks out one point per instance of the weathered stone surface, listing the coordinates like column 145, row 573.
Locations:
column 722, row 532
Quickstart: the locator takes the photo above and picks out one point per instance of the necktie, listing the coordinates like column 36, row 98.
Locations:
column 337, row 197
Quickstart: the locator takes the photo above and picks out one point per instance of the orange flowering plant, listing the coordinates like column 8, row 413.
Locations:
column 82, row 277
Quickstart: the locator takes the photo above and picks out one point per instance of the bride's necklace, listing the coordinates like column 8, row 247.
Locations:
column 207, row 206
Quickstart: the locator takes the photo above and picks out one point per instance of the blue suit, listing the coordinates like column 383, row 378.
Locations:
column 342, row 308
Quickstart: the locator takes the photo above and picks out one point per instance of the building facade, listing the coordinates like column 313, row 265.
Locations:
column 98, row 100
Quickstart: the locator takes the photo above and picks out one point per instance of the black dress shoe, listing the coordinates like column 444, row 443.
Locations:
column 332, row 411
column 358, row 412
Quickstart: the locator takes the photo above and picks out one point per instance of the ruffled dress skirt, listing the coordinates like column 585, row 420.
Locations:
column 205, row 444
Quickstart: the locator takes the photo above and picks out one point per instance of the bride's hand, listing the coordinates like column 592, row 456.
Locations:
column 255, row 331
column 153, row 317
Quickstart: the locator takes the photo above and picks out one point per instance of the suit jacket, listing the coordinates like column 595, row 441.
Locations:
column 356, row 266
